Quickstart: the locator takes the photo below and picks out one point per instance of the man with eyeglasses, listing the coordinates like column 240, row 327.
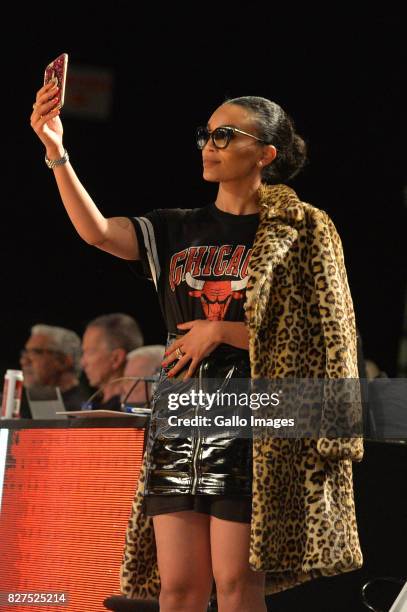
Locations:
column 51, row 358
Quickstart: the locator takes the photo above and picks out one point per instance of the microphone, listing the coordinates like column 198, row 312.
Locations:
column 136, row 379
column 151, row 379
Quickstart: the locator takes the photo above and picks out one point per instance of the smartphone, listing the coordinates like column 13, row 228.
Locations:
column 56, row 72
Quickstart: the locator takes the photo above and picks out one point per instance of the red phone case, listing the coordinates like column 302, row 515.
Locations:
column 56, row 71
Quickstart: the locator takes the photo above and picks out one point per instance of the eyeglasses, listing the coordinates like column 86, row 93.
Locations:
column 220, row 137
column 31, row 352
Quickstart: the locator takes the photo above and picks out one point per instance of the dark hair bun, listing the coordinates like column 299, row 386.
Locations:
column 276, row 127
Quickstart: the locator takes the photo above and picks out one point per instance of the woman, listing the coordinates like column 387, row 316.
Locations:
column 242, row 276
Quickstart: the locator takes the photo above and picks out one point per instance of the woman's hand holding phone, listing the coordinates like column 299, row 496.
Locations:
column 45, row 120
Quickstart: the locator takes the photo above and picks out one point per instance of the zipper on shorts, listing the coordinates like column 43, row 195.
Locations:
column 197, row 445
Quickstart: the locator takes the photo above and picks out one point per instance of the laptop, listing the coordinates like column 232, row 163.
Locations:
column 400, row 605
column 46, row 403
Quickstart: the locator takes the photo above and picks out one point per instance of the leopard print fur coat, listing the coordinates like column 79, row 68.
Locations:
column 301, row 324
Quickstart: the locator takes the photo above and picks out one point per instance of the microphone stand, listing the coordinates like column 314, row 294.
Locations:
column 135, row 379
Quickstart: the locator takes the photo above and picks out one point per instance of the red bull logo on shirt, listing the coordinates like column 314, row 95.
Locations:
column 212, row 261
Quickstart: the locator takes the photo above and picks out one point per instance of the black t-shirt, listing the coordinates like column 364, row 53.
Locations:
column 198, row 260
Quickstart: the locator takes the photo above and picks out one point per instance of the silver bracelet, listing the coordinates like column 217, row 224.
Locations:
column 57, row 162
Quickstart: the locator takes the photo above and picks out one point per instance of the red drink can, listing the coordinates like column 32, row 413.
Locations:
column 12, row 392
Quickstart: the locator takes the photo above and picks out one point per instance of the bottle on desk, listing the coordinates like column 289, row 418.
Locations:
column 12, row 392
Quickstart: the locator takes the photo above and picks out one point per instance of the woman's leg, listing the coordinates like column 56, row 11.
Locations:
column 238, row 588
column 184, row 561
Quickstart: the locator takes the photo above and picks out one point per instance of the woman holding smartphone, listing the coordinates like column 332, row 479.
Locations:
column 243, row 285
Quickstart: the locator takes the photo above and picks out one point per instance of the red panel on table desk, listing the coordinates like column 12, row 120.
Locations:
column 67, row 497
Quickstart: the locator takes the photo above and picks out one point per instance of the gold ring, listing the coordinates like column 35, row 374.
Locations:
column 179, row 353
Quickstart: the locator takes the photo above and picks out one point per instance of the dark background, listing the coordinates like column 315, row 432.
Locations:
column 339, row 74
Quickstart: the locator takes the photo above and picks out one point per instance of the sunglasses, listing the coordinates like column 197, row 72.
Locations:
column 220, row 137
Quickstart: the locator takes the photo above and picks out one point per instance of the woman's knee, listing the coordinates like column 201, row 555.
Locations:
column 229, row 583
column 183, row 593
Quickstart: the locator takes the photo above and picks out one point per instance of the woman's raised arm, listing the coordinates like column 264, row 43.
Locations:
column 116, row 235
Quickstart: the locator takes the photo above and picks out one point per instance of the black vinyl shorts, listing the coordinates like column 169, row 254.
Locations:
column 226, row 507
